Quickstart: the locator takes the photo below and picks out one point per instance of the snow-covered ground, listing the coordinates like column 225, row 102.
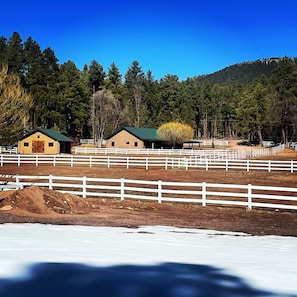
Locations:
column 48, row 260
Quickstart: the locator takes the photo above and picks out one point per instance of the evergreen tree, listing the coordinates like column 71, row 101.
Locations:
column 114, row 83
column 34, row 77
column 252, row 112
column 14, row 54
column 96, row 76
column 3, row 49
column 134, row 80
column 284, row 98
column 169, row 92
column 113, row 77
column 152, row 100
column 74, row 98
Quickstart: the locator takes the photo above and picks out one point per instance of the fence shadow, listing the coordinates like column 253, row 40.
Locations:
column 166, row 280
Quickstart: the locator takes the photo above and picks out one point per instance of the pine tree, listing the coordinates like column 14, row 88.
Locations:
column 134, row 83
column 96, row 76
column 14, row 54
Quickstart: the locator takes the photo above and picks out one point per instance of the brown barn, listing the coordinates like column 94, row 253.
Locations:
column 44, row 141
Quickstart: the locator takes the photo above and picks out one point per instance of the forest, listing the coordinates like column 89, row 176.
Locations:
column 255, row 100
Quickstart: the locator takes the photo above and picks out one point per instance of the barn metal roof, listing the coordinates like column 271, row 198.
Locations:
column 149, row 134
column 50, row 133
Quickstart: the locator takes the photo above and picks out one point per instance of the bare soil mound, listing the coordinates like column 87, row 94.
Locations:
column 38, row 200
column 41, row 205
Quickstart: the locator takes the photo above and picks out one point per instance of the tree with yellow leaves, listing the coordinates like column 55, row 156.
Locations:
column 14, row 107
column 175, row 132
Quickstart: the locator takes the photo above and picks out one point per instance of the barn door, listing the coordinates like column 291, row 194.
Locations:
column 37, row 146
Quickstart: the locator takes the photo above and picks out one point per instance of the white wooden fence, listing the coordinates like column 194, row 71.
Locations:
column 249, row 196
column 191, row 162
column 157, row 152
column 213, row 154
column 9, row 150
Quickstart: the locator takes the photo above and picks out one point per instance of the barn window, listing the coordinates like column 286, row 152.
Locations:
column 112, row 143
column 38, row 136
column 135, row 143
column 26, row 143
column 50, row 144
column 127, row 142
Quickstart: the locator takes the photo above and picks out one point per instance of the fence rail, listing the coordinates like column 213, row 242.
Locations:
column 249, row 196
column 191, row 162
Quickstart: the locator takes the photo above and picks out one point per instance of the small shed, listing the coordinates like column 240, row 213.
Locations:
column 192, row 144
column 44, row 141
column 138, row 138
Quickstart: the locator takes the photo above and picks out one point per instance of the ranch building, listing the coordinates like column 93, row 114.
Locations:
column 135, row 138
column 44, row 141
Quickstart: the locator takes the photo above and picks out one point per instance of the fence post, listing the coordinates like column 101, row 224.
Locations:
column 269, row 165
column 84, row 186
column 108, row 162
column 292, row 166
column 159, row 191
column 203, row 193
column 146, row 163
column 90, row 161
column 226, row 164
column 17, row 179
column 1, row 160
column 19, row 160
column 54, row 160
column 249, row 197
column 36, row 161
column 206, row 164
column 127, row 162
column 50, row 182
column 247, row 165
column 71, row 162
column 122, row 189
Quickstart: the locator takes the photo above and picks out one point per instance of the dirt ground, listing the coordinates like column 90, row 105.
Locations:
column 41, row 205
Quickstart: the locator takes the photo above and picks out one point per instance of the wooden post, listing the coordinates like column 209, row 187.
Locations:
column 249, row 197
column 159, row 191
column 84, row 186
column 50, row 182
column 204, row 194
column 122, row 189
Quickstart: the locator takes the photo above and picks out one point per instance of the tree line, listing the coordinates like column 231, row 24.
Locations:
column 94, row 102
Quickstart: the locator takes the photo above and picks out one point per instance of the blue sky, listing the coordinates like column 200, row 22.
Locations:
column 181, row 37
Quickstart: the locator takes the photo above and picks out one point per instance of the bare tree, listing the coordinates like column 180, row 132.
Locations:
column 138, row 100
column 15, row 104
column 107, row 115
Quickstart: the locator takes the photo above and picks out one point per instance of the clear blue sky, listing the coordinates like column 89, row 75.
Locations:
column 182, row 37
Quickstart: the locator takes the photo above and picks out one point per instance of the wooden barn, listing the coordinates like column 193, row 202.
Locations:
column 135, row 138
column 44, row 141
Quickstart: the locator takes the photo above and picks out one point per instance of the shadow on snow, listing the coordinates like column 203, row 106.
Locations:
column 166, row 280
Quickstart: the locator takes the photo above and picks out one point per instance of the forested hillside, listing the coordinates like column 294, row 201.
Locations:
column 241, row 73
column 254, row 100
